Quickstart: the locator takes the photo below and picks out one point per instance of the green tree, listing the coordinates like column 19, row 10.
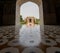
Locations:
column 21, row 19
column 37, row 21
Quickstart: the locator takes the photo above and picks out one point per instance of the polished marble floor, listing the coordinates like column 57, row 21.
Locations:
column 12, row 42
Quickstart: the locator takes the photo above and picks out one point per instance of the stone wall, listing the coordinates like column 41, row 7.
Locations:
column 1, row 11
column 49, row 12
column 57, row 8
column 8, row 12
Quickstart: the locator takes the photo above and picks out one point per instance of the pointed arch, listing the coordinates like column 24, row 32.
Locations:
column 29, row 9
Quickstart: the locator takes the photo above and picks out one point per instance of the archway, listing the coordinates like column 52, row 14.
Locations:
column 18, row 5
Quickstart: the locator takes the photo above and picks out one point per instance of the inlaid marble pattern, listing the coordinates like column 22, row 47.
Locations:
column 10, row 41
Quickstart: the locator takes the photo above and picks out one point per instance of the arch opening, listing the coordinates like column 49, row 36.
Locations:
column 30, row 24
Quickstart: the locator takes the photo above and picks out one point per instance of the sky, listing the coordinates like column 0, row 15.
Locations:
column 29, row 9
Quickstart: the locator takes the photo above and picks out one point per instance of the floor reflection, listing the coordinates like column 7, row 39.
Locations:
column 30, row 35
column 11, row 42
